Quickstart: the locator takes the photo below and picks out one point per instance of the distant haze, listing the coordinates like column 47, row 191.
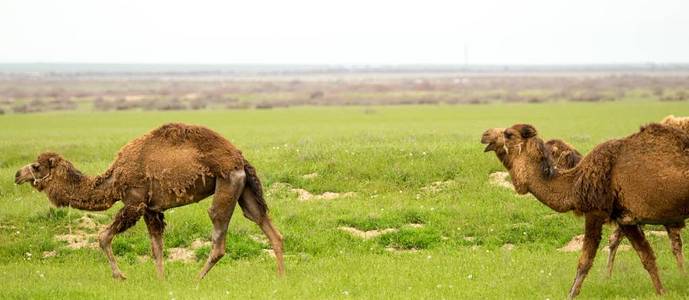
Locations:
column 535, row 32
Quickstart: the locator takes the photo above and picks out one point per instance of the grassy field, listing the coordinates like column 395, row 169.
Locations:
column 386, row 155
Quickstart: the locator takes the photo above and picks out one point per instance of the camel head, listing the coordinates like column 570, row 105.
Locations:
column 47, row 167
column 519, row 147
column 494, row 139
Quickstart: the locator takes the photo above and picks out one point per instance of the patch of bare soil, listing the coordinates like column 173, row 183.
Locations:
column 620, row 248
column 310, row 176
column 304, row 195
column 507, row 247
column 367, row 235
column 49, row 254
column 656, row 233
column 437, row 186
column 396, row 250
column 573, row 245
column 186, row 255
column 259, row 238
column 500, row 179
column 85, row 235
column 269, row 252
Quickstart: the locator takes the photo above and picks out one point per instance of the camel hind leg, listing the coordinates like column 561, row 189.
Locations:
column 255, row 212
column 227, row 191
column 156, row 225
column 674, row 233
column 645, row 252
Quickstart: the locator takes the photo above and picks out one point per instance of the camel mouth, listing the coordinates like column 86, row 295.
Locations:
column 489, row 147
column 18, row 180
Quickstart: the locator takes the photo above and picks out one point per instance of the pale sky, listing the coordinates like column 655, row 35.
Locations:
column 345, row 32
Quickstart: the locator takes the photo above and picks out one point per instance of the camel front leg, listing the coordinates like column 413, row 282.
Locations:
column 594, row 226
column 124, row 219
column 156, row 226
column 674, row 232
column 643, row 249
column 613, row 243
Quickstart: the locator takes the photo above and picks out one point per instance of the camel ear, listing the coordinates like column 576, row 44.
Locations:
column 526, row 130
column 52, row 162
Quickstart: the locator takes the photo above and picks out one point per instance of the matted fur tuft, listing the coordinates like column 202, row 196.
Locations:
column 593, row 184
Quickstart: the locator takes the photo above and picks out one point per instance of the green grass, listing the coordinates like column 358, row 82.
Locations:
column 384, row 154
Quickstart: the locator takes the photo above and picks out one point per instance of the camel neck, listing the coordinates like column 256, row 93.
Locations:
column 84, row 192
column 555, row 192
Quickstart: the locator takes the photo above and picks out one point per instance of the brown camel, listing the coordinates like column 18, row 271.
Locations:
column 640, row 179
column 566, row 157
column 171, row 166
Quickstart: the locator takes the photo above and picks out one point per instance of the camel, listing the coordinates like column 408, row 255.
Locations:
column 566, row 157
column 639, row 179
column 171, row 166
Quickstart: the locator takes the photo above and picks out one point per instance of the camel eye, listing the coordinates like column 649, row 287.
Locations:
column 508, row 135
column 35, row 167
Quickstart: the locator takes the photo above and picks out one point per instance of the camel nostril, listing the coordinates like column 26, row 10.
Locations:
column 16, row 175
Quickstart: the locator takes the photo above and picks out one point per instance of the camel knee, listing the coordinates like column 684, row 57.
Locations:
column 216, row 255
column 104, row 240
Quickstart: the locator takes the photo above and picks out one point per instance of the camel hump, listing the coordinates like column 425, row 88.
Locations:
column 179, row 132
column 669, row 131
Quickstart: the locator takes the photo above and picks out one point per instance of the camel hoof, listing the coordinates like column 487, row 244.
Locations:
column 119, row 276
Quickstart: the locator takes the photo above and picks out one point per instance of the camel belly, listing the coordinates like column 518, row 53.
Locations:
column 162, row 198
column 652, row 192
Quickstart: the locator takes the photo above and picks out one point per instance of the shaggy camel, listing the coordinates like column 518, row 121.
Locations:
column 640, row 179
column 566, row 157
column 171, row 166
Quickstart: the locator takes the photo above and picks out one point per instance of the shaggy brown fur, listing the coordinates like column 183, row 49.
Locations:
column 608, row 184
column 173, row 165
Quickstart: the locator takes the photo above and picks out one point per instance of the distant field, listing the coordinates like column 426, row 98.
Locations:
column 42, row 92
column 388, row 156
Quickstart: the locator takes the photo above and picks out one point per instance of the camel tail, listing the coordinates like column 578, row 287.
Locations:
column 254, row 183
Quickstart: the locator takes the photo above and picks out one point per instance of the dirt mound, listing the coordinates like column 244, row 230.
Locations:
column 437, row 186
column 49, row 254
column 657, row 233
column 620, row 248
column 85, row 235
column 500, row 179
column 186, row 255
column 310, row 176
column 304, row 195
column 269, row 252
column 367, row 235
column 396, row 250
column 575, row 244
column 370, row 234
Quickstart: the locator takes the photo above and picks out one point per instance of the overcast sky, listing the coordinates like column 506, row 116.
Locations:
column 345, row 32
